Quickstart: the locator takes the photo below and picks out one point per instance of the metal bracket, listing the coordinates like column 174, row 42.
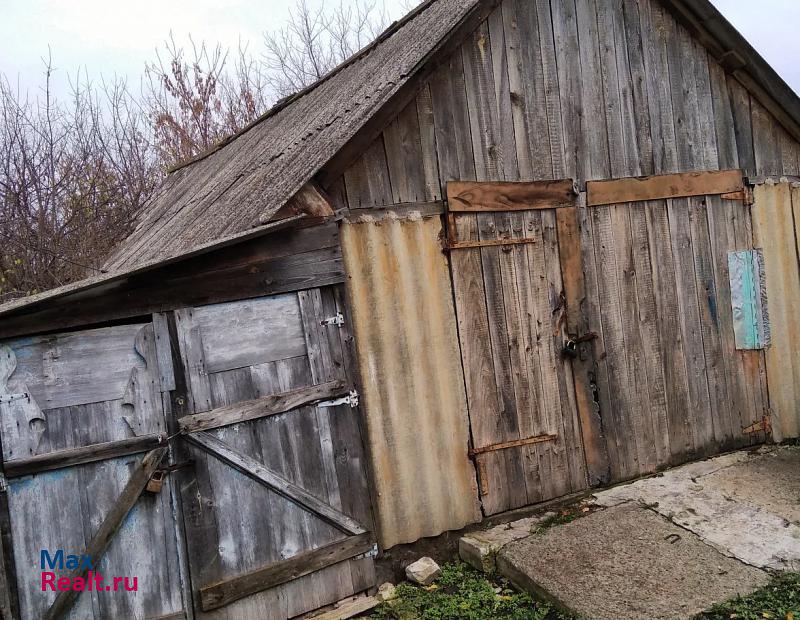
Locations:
column 3, row 483
column 351, row 399
column 8, row 398
column 337, row 320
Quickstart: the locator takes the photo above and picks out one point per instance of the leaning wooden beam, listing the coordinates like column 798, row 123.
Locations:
column 261, row 407
column 111, row 524
column 269, row 478
column 640, row 189
column 310, row 200
column 79, row 456
column 225, row 592
column 465, row 196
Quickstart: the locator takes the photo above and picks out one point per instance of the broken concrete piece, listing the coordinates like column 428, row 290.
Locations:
column 386, row 592
column 424, row 571
column 479, row 549
column 626, row 562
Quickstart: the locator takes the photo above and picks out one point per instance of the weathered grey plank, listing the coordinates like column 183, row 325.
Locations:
column 255, row 331
column 261, row 407
column 220, row 594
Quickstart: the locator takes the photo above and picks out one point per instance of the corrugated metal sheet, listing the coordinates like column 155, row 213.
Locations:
column 410, row 363
column 776, row 209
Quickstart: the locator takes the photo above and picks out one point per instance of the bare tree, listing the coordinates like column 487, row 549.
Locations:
column 72, row 177
column 199, row 94
column 315, row 41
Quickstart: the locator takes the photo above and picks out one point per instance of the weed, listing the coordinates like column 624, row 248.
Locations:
column 780, row 600
column 462, row 593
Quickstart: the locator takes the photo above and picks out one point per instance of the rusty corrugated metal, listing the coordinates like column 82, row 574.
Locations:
column 775, row 212
column 410, row 363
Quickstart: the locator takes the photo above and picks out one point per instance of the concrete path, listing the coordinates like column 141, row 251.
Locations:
column 667, row 546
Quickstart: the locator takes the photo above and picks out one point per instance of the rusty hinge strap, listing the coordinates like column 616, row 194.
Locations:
column 460, row 245
column 764, row 425
column 512, row 444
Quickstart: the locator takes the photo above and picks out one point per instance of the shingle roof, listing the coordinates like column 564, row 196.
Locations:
column 247, row 180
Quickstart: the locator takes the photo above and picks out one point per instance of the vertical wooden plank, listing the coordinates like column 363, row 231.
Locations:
column 766, row 142
column 367, row 180
column 742, row 125
column 655, row 35
column 724, row 125
column 547, row 58
column 534, row 153
column 565, row 32
column 404, row 156
column 427, row 133
column 593, row 441
column 670, row 332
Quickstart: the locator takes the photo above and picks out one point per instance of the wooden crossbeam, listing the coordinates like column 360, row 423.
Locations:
column 468, row 196
column 261, row 407
column 111, row 524
column 78, row 456
column 662, row 187
column 273, row 480
column 227, row 591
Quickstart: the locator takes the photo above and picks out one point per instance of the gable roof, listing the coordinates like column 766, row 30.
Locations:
column 252, row 176
column 224, row 196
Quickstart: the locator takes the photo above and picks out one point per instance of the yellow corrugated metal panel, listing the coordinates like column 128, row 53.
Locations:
column 416, row 410
column 775, row 232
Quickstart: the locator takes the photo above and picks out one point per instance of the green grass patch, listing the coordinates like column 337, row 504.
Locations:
column 462, row 593
column 780, row 600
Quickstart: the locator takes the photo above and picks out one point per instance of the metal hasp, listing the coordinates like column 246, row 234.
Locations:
column 351, row 399
column 337, row 320
column 8, row 398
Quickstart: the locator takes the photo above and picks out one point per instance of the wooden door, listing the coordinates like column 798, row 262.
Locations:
column 276, row 505
column 518, row 282
column 78, row 411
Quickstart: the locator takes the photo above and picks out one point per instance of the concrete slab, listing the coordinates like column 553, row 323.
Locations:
column 741, row 504
column 480, row 548
column 770, row 480
column 626, row 562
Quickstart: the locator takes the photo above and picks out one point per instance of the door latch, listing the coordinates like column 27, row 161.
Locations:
column 337, row 320
column 351, row 399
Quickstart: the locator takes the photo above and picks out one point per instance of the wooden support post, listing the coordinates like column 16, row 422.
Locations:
column 111, row 524
column 594, row 444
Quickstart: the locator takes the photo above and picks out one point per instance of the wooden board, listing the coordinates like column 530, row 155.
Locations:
column 488, row 197
column 640, row 189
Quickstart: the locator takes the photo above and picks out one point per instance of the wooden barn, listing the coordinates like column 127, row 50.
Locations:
column 509, row 251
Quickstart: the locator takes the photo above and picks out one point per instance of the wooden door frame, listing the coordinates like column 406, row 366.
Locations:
column 562, row 196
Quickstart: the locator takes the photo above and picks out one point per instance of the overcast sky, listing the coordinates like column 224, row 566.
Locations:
column 116, row 37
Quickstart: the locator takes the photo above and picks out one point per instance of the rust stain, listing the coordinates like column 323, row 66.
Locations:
column 410, row 363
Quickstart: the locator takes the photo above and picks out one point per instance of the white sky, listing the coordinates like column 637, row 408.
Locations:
column 114, row 37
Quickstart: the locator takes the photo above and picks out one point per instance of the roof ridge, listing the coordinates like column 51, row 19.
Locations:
column 285, row 102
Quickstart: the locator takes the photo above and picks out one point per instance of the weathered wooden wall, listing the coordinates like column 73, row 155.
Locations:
column 590, row 89
column 776, row 213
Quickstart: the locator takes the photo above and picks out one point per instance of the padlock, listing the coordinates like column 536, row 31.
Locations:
column 570, row 349
column 156, row 483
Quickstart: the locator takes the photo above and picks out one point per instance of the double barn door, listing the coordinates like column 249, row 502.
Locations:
column 596, row 329
column 244, row 412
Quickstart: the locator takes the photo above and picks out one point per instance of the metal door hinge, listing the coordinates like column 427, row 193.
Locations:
column 7, row 398
column 351, row 399
column 337, row 320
